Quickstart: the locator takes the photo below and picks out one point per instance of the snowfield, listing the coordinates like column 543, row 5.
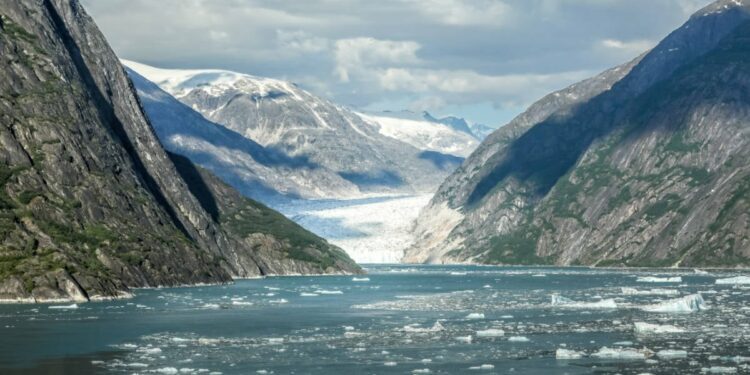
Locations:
column 370, row 230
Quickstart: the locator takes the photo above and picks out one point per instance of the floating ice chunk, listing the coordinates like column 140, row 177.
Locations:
column 305, row 294
column 150, row 350
column 360, row 279
column 242, row 303
column 720, row 370
column 568, row 354
column 276, row 340
column 212, row 306
column 623, row 353
column 454, row 273
column 700, row 272
column 734, row 280
column 650, row 292
column 671, row 354
column 421, row 371
column 648, row 329
column 166, row 370
column 492, row 332
column 390, row 364
column 518, row 339
column 322, row 291
column 687, row 304
column 506, row 317
column 482, row 367
column 474, row 316
column 538, row 275
column 413, row 328
column 66, row 307
column 282, row 300
column 560, row 301
column 466, row 339
column 654, row 279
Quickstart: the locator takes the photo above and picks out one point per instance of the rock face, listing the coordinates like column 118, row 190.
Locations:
column 644, row 165
column 319, row 149
column 90, row 203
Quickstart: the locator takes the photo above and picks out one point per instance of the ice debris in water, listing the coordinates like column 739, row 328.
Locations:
column 466, row 339
column 671, row 354
column 654, row 279
column 329, row 292
column 648, row 328
column 482, row 367
column 687, row 304
column 66, row 307
column 560, row 301
column 492, row 332
column 651, row 292
column 421, row 371
column 734, row 280
column 474, row 316
column 518, row 339
column 360, row 279
column 568, row 354
column 623, row 353
column 719, row 370
column 415, row 328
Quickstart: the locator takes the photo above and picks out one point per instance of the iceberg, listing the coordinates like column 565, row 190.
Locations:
column 518, row 339
column 466, row 339
column 623, row 353
column 568, row 354
column 653, row 279
column 482, row 367
column 414, row 328
column 648, row 329
column 560, row 301
column 651, row 292
column 734, row 280
column 474, row 316
column 492, row 332
column 671, row 354
column 687, row 304
column 66, row 307
column 360, row 279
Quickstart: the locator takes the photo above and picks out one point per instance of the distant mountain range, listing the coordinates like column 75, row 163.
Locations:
column 270, row 139
column 643, row 165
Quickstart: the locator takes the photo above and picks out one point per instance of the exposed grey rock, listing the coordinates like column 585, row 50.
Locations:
column 638, row 166
column 90, row 203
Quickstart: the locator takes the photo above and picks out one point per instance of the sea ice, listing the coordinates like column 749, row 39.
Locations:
column 322, row 291
column 475, row 316
column 466, row 339
column 623, row 353
column 492, row 332
column 305, row 294
column 720, row 370
column 654, row 279
column 482, row 367
column 560, row 301
column 647, row 328
column 518, row 339
column 414, row 328
column 734, row 280
column 421, row 371
column 360, row 279
column 650, row 292
column 568, row 354
column 687, row 304
column 66, row 307
column 671, row 354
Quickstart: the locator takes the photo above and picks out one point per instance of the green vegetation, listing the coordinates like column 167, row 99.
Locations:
column 668, row 204
column 518, row 248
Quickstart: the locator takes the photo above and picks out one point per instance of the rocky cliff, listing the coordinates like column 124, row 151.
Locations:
column 90, row 203
column 640, row 166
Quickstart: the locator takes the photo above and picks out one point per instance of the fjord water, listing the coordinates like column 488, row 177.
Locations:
column 397, row 319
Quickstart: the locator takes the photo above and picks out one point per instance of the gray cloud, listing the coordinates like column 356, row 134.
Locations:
column 483, row 59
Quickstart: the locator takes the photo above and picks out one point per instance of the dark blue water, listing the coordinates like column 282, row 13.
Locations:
column 404, row 319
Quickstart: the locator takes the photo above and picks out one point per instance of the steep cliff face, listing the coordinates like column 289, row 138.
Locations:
column 90, row 204
column 640, row 166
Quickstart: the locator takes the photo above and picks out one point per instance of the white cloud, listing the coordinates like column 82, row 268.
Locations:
column 357, row 55
column 301, row 41
column 631, row 47
column 465, row 12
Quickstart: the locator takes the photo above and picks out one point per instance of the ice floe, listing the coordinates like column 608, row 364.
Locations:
column 654, row 279
column 560, row 301
column 623, row 353
column 568, row 354
column 482, row 367
column 360, row 279
column 671, row 354
column 474, row 316
column 650, row 329
column 733, row 280
column 687, row 304
column 492, row 332
column 650, row 292
column 65, row 307
column 415, row 328
column 518, row 339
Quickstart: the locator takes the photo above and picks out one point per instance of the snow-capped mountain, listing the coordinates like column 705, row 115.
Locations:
column 324, row 150
column 423, row 134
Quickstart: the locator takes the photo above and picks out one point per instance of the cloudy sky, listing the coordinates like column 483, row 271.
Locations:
column 485, row 60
